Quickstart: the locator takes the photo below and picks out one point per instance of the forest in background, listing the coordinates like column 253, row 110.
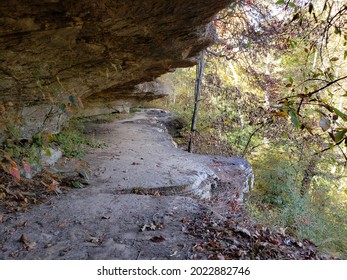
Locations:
column 273, row 91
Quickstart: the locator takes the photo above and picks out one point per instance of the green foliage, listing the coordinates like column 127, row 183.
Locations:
column 70, row 140
column 276, row 179
column 276, row 201
column 73, row 142
column 17, row 157
column 281, row 156
column 29, row 151
column 13, row 132
column 279, row 101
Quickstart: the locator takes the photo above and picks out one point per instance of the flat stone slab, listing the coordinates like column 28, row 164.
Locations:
column 141, row 154
column 101, row 226
column 141, row 190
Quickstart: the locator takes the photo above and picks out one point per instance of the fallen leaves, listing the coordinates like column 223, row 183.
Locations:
column 18, row 195
column 48, row 245
column 242, row 231
column 184, row 220
column 67, row 249
column 28, row 244
column 27, row 169
column 22, row 224
column 2, row 196
column 152, row 226
column 157, row 239
column 53, row 186
column 239, row 238
column 143, row 191
column 14, row 169
column 94, row 240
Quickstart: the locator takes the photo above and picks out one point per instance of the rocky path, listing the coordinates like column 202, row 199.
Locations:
column 142, row 190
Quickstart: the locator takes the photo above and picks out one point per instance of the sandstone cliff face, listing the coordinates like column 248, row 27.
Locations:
column 62, row 57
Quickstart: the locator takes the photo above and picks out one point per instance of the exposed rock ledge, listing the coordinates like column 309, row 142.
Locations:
column 142, row 192
column 145, row 157
column 59, row 55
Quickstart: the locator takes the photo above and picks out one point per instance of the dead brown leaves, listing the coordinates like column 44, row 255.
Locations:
column 157, row 239
column 143, row 191
column 152, row 226
column 17, row 195
column 27, row 243
column 245, row 240
column 94, row 240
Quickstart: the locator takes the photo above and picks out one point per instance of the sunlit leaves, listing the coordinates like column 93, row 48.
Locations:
column 339, row 113
column 289, row 4
column 340, row 135
column 293, row 44
column 291, row 81
column 292, row 4
column 310, row 56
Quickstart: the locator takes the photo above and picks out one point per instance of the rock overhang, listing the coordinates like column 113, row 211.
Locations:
column 59, row 57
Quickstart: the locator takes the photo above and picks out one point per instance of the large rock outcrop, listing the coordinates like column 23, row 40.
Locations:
column 62, row 56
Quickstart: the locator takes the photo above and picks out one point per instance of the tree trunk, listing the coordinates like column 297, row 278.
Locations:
column 197, row 93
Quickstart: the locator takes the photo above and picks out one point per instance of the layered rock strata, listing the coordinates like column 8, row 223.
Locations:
column 62, row 56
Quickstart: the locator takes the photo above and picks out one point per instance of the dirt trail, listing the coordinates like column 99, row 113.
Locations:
column 113, row 218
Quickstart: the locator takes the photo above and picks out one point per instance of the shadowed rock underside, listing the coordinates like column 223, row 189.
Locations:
column 61, row 57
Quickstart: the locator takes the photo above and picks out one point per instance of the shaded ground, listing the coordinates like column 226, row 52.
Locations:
column 145, row 200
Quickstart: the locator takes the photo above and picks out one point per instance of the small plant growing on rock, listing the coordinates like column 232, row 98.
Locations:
column 73, row 142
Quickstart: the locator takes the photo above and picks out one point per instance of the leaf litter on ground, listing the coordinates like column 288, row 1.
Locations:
column 17, row 196
column 243, row 239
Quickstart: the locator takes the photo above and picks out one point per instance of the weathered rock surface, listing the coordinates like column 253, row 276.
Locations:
column 165, row 168
column 141, row 189
column 58, row 56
